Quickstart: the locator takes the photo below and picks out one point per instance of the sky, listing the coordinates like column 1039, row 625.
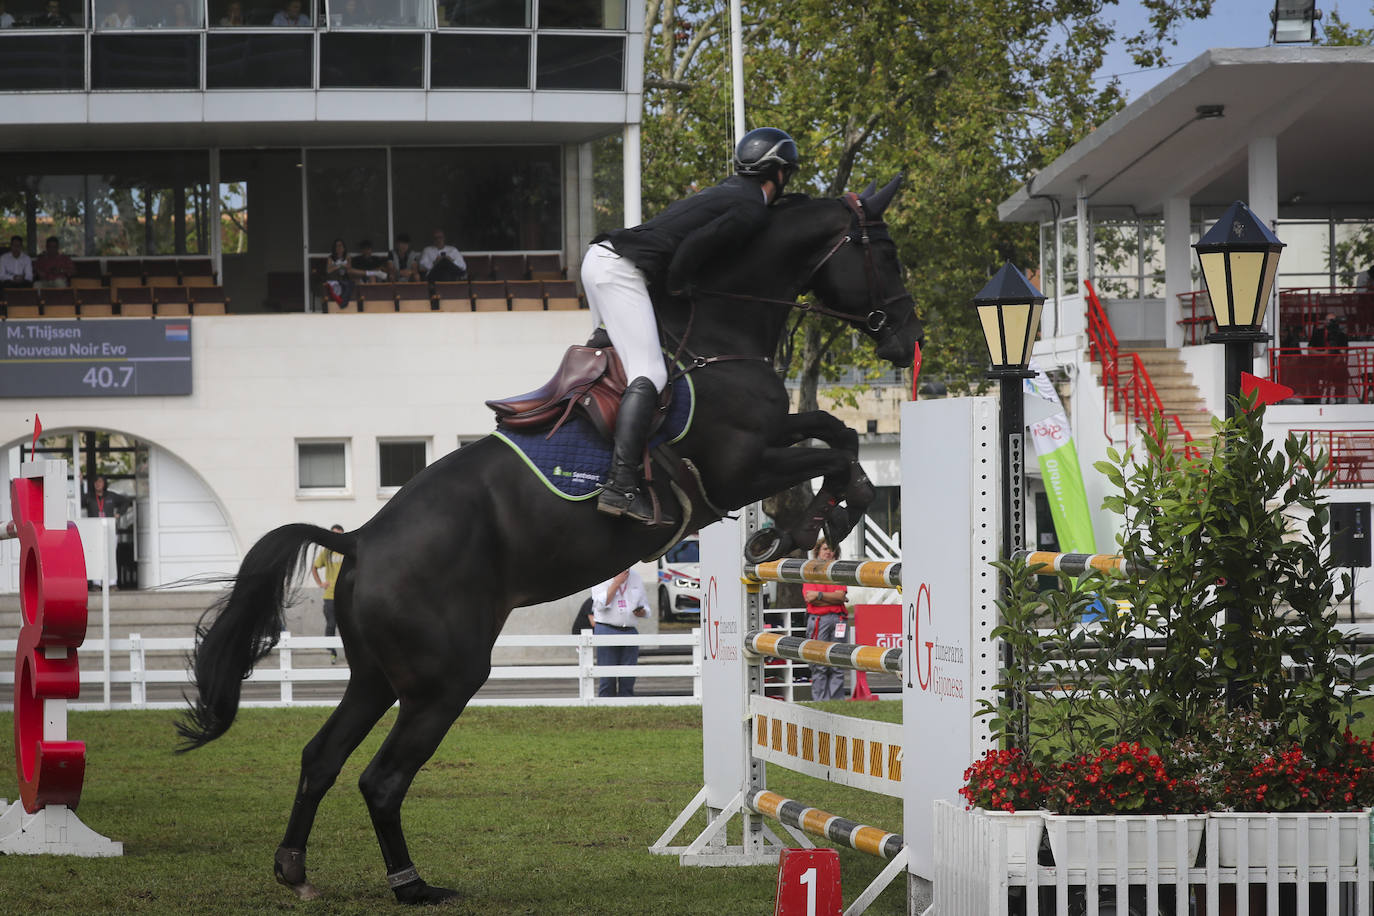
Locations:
column 1233, row 24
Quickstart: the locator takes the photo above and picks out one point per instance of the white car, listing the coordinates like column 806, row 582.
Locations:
column 679, row 581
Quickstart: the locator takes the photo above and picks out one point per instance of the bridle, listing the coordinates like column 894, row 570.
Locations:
column 862, row 232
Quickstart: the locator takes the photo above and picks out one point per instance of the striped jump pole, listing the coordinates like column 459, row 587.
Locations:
column 872, row 840
column 876, row 659
column 1076, row 564
column 873, row 573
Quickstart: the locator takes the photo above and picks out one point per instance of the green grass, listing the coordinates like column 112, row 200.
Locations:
column 524, row 811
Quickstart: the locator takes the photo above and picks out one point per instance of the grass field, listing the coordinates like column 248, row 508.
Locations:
column 523, row 810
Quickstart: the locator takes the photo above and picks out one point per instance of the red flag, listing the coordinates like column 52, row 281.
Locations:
column 37, row 429
column 915, row 371
column 1269, row 392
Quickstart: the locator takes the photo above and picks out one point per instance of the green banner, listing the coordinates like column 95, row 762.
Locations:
column 1073, row 522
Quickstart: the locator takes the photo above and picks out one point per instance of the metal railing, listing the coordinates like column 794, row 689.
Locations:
column 1126, row 389
column 1350, row 452
column 1336, row 375
column 1306, row 307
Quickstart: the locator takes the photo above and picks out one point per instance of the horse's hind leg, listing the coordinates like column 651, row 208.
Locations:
column 425, row 717
column 365, row 699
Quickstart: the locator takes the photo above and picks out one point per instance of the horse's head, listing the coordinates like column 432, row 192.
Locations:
column 860, row 279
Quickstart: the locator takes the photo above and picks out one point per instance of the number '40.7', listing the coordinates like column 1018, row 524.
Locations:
column 108, row 376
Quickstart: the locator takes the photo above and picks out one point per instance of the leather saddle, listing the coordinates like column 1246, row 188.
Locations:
column 589, row 380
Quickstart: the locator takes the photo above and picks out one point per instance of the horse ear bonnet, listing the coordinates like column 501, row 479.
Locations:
column 875, row 204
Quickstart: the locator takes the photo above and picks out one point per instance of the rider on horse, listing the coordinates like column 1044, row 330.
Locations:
column 662, row 255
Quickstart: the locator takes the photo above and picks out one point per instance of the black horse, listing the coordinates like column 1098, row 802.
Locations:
column 426, row 585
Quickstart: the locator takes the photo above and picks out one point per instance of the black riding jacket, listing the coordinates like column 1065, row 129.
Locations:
column 671, row 247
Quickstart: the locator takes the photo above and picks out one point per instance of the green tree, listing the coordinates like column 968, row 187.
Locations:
column 966, row 97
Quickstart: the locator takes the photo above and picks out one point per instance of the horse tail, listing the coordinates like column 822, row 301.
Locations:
column 245, row 624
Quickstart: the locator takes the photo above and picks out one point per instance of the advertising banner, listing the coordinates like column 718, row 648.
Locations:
column 1054, row 446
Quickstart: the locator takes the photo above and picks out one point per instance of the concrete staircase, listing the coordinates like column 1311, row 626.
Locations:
column 1177, row 392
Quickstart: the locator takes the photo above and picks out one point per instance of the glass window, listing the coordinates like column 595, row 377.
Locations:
column 346, row 189
column 484, row 198
column 322, row 466
column 145, row 62
column 398, row 460
column 369, row 14
column 51, row 14
column 258, row 61
column 291, row 14
column 580, row 62
column 43, row 61
column 370, row 61
column 149, row 14
column 582, row 14
column 236, row 13
column 688, row 551
column 484, row 14
column 479, row 62
column 109, row 203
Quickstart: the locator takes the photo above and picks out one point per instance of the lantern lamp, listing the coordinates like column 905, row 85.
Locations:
column 1239, row 257
column 1009, row 312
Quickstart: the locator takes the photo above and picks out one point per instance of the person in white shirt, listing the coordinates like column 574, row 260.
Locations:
column 6, row 20
column 441, row 262
column 616, row 604
column 16, row 269
column 119, row 18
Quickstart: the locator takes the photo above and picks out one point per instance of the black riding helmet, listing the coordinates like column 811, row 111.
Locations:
column 764, row 149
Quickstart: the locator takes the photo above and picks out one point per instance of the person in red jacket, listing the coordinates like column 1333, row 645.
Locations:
column 827, row 619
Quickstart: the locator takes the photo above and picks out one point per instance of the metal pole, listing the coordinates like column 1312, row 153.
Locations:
column 737, row 66
column 1013, row 466
column 1238, row 359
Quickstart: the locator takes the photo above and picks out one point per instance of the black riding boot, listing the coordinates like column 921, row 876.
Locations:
column 622, row 493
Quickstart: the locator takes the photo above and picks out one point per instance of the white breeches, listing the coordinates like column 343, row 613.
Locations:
column 619, row 298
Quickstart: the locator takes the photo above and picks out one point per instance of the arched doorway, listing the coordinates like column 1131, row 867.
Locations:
column 171, row 527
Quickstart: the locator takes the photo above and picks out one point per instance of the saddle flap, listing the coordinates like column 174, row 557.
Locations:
column 580, row 369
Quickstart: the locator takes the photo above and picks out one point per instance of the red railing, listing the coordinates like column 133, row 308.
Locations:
column 1129, row 390
column 1349, row 451
column 1197, row 316
column 1339, row 375
column 1304, row 308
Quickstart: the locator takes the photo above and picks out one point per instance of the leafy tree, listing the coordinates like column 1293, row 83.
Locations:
column 1337, row 31
column 967, row 98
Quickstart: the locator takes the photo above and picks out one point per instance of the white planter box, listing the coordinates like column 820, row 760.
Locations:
column 1325, row 835
column 1074, row 838
column 1021, row 832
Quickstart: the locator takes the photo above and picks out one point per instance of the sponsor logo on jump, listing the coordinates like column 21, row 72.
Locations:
column 934, row 666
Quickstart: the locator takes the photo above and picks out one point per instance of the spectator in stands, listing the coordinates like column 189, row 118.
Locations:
column 291, row 15
column 1329, row 341
column 120, row 18
column 338, row 284
column 52, row 268
column 180, row 17
column 442, row 262
column 233, row 14
column 403, row 262
column 367, row 267
column 6, row 20
column 53, row 17
column 16, row 269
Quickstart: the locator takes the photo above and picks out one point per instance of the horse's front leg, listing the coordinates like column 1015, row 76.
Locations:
column 844, row 496
column 782, row 467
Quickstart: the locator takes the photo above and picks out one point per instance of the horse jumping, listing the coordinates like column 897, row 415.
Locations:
column 427, row 584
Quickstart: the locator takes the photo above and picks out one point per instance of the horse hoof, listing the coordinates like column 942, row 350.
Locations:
column 305, row 890
column 421, row 894
column 767, row 545
column 289, row 867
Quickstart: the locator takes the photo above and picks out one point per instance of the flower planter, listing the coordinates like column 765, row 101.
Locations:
column 1073, row 837
column 1314, row 829
column 1021, row 831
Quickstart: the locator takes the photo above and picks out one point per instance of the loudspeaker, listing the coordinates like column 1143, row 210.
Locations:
column 1349, row 534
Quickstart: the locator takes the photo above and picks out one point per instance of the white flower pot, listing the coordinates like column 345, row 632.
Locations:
column 1021, row 831
column 1290, row 831
column 1073, row 837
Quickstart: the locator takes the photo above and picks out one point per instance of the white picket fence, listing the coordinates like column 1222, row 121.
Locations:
column 129, row 664
column 983, row 862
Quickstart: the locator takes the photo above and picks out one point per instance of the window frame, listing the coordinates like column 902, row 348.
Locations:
column 428, row 443
column 304, row 492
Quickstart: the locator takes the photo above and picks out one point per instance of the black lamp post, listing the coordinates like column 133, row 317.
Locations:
column 1009, row 312
column 1239, row 257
